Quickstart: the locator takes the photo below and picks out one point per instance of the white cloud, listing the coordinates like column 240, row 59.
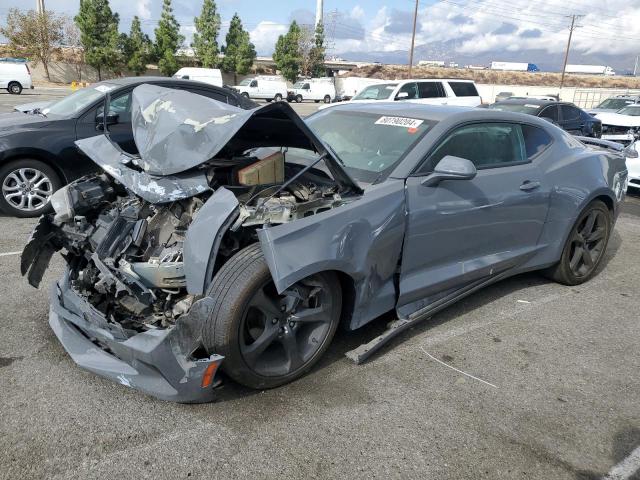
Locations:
column 143, row 7
column 265, row 35
column 357, row 12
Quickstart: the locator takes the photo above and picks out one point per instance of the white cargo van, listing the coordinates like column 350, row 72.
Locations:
column 315, row 89
column 15, row 76
column 266, row 87
column 349, row 87
column 212, row 76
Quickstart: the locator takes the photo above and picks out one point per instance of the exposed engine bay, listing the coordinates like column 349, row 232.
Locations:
column 126, row 255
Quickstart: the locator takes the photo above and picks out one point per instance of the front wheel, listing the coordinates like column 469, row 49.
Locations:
column 245, row 94
column 585, row 246
column 27, row 186
column 327, row 99
column 298, row 98
column 269, row 339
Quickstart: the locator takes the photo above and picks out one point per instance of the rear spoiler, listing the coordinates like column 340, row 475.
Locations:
column 627, row 151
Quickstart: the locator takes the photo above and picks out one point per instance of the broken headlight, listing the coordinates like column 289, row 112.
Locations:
column 62, row 204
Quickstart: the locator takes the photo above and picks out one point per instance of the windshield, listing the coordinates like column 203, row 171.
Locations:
column 369, row 145
column 615, row 103
column 77, row 101
column 376, row 92
column 298, row 85
column 633, row 111
column 245, row 82
column 528, row 108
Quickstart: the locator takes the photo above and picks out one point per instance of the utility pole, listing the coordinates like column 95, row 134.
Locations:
column 635, row 67
column 40, row 6
column 566, row 53
column 413, row 38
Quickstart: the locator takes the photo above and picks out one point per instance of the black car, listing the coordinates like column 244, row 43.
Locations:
column 566, row 115
column 37, row 150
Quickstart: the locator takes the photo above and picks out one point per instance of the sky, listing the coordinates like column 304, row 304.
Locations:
column 477, row 26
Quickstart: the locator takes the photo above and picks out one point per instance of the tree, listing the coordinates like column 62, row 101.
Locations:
column 168, row 39
column 99, row 34
column 316, row 54
column 71, row 40
column 137, row 48
column 205, row 40
column 239, row 52
column 34, row 35
column 287, row 53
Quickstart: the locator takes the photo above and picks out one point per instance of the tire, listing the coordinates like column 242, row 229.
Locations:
column 268, row 100
column 574, row 267
column 317, row 101
column 278, row 97
column 245, row 94
column 327, row 99
column 298, row 98
column 236, row 325
column 15, row 88
column 14, row 175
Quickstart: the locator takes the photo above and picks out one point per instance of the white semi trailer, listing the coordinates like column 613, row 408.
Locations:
column 590, row 69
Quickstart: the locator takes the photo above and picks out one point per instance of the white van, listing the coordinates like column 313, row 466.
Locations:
column 266, row 87
column 422, row 90
column 15, row 76
column 315, row 89
column 212, row 76
column 349, row 87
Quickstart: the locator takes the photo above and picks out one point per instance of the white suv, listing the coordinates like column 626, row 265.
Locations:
column 429, row 91
column 15, row 76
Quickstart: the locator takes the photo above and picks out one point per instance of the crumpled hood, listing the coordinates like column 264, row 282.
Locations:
column 29, row 107
column 17, row 120
column 618, row 120
column 175, row 130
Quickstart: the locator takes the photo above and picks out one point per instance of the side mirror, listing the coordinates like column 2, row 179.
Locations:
column 630, row 151
column 402, row 96
column 451, row 168
column 112, row 119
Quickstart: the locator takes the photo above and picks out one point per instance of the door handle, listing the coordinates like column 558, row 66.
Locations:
column 528, row 185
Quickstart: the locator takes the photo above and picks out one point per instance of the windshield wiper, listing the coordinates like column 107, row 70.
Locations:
column 38, row 111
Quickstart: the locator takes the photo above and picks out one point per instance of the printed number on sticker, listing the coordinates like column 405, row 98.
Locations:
column 400, row 122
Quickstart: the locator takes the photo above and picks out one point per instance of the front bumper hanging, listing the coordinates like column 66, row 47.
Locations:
column 157, row 362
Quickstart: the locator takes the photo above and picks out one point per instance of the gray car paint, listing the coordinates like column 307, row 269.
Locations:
column 204, row 236
column 152, row 188
column 395, row 244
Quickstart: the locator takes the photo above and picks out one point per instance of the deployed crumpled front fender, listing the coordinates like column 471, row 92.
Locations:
column 362, row 239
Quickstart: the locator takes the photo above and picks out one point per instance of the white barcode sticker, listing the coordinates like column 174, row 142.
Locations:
column 403, row 122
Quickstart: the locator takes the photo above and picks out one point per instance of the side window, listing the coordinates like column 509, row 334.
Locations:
column 569, row 112
column 550, row 112
column 254, row 83
column 487, row 145
column 464, row 89
column 431, row 90
column 411, row 89
column 119, row 104
column 306, row 86
column 536, row 140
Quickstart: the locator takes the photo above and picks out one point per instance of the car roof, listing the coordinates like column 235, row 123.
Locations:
column 531, row 101
column 434, row 113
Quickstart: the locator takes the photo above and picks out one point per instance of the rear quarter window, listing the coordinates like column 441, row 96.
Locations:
column 536, row 140
column 464, row 89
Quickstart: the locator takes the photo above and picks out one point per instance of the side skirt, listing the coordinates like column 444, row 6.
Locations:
column 363, row 352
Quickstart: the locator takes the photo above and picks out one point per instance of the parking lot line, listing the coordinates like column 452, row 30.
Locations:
column 626, row 468
column 6, row 254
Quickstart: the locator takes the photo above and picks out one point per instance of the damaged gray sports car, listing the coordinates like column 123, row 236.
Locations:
column 236, row 242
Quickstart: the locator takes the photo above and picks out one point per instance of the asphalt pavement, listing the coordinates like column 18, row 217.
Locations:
column 526, row 379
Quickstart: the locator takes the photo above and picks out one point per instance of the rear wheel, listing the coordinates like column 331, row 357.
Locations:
column 585, row 246
column 278, row 97
column 15, row 88
column 269, row 339
column 27, row 186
